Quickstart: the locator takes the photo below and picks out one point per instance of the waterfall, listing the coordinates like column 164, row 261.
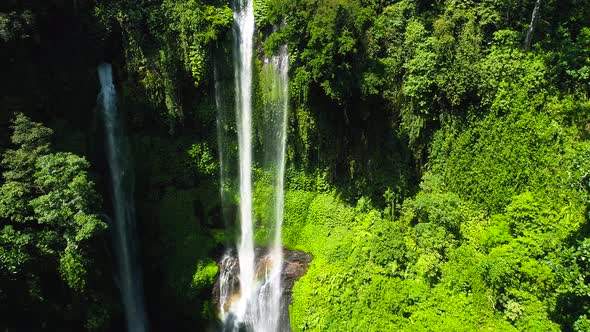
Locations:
column 276, row 91
column 223, row 141
column 128, row 276
column 243, row 48
column 258, row 306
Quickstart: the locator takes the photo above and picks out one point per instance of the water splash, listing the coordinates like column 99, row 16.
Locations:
column 128, row 272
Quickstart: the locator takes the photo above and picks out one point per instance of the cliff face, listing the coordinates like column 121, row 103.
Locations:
column 296, row 265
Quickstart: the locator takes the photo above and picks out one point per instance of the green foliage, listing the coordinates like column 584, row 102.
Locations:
column 14, row 245
column 72, row 270
column 48, row 215
column 195, row 25
column 178, row 219
column 205, row 274
column 478, row 247
column 185, row 241
column 429, row 269
column 582, row 324
column 16, row 25
column 517, row 149
column 179, row 210
column 579, row 58
column 33, row 140
column 201, row 156
column 165, row 42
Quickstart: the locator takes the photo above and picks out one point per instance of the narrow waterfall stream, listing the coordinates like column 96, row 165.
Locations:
column 243, row 49
column 258, row 305
column 128, row 271
column 276, row 90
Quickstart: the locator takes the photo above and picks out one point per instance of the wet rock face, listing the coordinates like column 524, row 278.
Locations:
column 295, row 265
column 228, row 290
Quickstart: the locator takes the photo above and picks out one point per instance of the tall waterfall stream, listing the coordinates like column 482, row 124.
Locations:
column 128, row 271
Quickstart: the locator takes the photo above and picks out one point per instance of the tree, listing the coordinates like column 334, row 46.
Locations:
column 33, row 141
column 48, row 216
column 534, row 20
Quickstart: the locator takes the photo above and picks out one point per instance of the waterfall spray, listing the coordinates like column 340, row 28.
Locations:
column 128, row 276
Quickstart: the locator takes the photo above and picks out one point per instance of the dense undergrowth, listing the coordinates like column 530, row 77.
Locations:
column 443, row 260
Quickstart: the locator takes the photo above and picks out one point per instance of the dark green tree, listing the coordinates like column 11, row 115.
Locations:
column 48, row 219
